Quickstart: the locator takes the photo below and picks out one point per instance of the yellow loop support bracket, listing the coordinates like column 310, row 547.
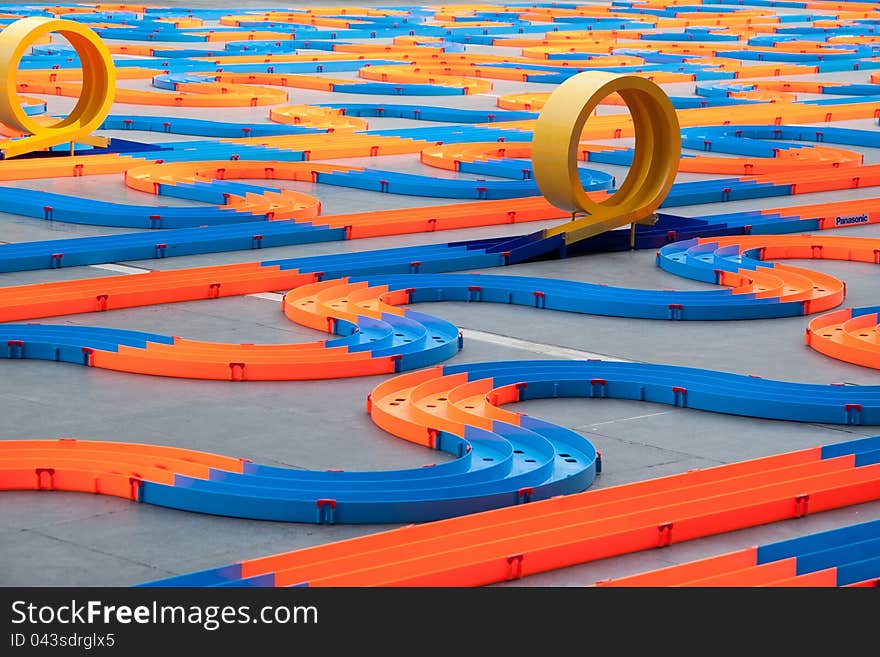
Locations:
column 98, row 86
column 655, row 159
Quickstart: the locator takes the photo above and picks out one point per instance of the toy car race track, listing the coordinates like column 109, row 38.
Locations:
column 301, row 234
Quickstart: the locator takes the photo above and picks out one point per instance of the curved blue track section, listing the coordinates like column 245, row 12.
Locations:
column 684, row 387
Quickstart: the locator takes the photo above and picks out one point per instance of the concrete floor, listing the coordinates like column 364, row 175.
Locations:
column 81, row 540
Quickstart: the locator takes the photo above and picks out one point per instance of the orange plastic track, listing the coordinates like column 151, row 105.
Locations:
column 796, row 160
column 847, row 335
column 104, row 468
column 514, row 542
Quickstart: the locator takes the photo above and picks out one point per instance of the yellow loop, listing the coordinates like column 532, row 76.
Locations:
column 655, row 158
column 98, row 86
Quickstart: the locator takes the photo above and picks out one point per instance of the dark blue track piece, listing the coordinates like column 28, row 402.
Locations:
column 527, row 247
column 669, row 228
column 854, row 551
column 865, row 450
column 267, row 580
column 432, row 258
column 115, row 145
column 209, row 577
column 201, row 151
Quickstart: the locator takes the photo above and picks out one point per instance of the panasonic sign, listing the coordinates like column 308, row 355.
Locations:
column 851, row 219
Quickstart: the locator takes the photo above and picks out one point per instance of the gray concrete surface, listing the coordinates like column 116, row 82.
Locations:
column 76, row 539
